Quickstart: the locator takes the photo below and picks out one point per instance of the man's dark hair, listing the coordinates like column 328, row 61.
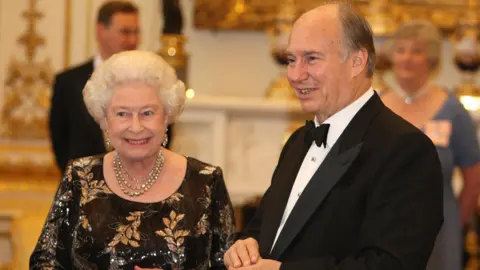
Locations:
column 110, row 8
column 357, row 34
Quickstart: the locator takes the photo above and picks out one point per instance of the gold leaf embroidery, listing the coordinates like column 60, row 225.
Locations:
column 227, row 230
column 205, row 200
column 92, row 189
column 172, row 247
column 124, row 240
column 125, row 232
column 85, row 223
column 208, row 170
column 48, row 241
column 113, row 243
column 202, row 225
column 226, row 216
column 68, row 173
column 174, row 236
column 166, row 221
column 180, row 241
column 86, row 163
column 176, row 197
column 136, row 235
column 136, row 213
column 129, row 233
column 121, row 228
column 81, row 174
column 133, row 243
column 170, row 240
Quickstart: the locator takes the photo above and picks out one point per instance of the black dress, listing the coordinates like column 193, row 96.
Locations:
column 90, row 227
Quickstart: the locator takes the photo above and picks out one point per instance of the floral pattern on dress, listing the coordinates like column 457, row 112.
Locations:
column 90, row 227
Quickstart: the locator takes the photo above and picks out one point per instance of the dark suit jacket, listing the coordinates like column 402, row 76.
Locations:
column 73, row 131
column 375, row 202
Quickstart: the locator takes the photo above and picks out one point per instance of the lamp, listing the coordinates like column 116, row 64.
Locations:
column 468, row 62
column 173, row 40
column 467, row 59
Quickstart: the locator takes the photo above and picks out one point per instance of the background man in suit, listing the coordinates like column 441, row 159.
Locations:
column 73, row 131
column 359, row 187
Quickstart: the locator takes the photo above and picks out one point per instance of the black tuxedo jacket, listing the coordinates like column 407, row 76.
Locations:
column 375, row 202
column 74, row 133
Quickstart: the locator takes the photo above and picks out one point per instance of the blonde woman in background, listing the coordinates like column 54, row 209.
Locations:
column 415, row 51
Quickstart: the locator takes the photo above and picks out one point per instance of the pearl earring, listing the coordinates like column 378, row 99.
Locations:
column 165, row 139
column 108, row 143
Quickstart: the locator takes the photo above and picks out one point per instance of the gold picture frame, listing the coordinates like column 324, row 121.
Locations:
column 256, row 15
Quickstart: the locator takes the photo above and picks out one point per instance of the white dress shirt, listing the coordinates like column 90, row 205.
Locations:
column 315, row 155
column 97, row 61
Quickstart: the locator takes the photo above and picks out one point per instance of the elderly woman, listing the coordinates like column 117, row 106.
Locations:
column 141, row 205
column 415, row 51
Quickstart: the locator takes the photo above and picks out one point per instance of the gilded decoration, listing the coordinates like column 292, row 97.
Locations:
column 279, row 31
column 24, row 141
column 384, row 15
column 27, row 86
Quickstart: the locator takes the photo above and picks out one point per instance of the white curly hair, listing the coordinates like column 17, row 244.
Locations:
column 134, row 67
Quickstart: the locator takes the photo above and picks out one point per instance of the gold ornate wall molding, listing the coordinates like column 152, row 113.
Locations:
column 258, row 14
column 26, row 159
column 27, row 86
column 24, row 138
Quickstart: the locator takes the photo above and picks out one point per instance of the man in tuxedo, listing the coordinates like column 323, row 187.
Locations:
column 358, row 188
column 73, row 131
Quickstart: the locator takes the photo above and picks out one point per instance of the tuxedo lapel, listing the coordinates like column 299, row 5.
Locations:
column 337, row 162
column 324, row 179
column 283, row 181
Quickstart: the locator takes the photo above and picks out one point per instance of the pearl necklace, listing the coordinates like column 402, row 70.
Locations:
column 408, row 98
column 141, row 185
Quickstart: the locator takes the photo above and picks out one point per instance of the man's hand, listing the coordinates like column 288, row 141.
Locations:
column 262, row 264
column 242, row 253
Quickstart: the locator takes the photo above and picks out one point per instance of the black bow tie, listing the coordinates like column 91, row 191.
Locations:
column 317, row 134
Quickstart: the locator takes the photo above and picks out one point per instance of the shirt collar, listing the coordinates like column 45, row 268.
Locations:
column 97, row 61
column 340, row 120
